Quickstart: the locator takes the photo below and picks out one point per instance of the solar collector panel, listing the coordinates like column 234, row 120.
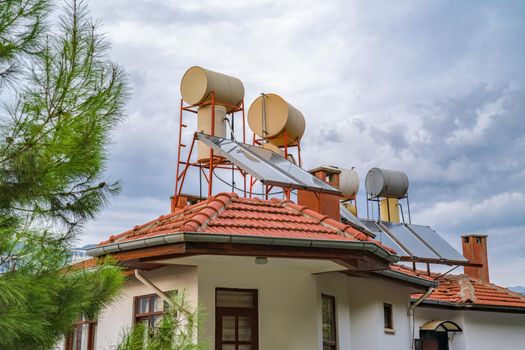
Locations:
column 265, row 165
column 437, row 242
column 413, row 244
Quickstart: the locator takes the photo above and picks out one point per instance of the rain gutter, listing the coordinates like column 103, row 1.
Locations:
column 411, row 279
column 173, row 238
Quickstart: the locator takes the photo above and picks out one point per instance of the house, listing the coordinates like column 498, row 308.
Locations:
column 264, row 270
column 277, row 274
column 487, row 316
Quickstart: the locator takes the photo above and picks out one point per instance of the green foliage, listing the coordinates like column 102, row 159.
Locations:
column 177, row 330
column 21, row 26
column 53, row 139
column 52, row 146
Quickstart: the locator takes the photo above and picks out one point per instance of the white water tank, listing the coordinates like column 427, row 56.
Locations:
column 270, row 116
column 198, row 83
column 386, row 183
column 204, row 123
column 279, row 151
column 348, row 182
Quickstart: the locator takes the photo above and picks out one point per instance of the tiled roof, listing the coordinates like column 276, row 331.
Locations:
column 227, row 213
column 462, row 290
column 408, row 271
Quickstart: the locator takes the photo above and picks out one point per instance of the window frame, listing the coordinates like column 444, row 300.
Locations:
column 331, row 344
column 151, row 314
column 77, row 326
column 252, row 312
column 388, row 318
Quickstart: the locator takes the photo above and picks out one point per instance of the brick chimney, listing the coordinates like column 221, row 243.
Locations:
column 327, row 204
column 475, row 250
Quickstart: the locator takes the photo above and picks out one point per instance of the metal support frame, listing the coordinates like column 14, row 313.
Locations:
column 214, row 162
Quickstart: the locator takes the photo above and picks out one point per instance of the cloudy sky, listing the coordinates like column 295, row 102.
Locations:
column 434, row 88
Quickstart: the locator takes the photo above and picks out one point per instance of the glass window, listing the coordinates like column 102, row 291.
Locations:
column 328, row 320
column 149, row 309
column 236, row 319
column 389, row 320
column 83, row 335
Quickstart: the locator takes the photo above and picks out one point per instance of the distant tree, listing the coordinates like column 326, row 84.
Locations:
column 177, row 330
column 63, row 97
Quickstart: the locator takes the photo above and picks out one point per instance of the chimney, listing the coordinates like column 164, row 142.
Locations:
column 327, row 204
column 475, row 250
column 184, row 201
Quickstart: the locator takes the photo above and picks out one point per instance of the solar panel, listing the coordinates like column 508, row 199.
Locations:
column 409, row 241
column 348, row 216
column 383, row 237
column 265, row 165
column 439, row 244
column 414, row 241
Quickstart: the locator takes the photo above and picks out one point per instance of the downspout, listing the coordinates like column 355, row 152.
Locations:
column 410, row 315
column 157, row 291
column 150, row 285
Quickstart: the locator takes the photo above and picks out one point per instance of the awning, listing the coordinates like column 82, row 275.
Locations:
column 441, row 326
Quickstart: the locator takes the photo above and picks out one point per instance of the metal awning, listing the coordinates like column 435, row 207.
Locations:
column 441, row 326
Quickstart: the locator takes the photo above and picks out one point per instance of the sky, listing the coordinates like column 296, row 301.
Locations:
column 433, row 88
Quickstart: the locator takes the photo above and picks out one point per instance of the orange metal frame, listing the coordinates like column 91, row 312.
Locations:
column 216, row 162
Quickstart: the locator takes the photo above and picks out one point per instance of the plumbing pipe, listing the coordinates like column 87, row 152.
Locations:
column 410, row 315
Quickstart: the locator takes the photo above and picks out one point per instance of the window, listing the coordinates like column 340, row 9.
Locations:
column 389, row 320
column 236, row 319
column 149, row 309
column 83, row 335
column 328, row 320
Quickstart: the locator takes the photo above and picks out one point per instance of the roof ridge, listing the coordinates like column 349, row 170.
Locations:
column 467, row 292
column 208, row 212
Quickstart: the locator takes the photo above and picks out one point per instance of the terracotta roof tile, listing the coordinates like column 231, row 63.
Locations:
column 226, row 213
column 462, row 289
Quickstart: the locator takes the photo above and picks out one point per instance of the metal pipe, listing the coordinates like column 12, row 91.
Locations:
column 158, row 291
column 402, row 215
column 150, row 285
column 410, row 315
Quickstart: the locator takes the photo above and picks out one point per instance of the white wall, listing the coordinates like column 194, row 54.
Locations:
column 481, row 330
column 336, row 285
column 367, row 318
column 118, row 317
column 289, row 300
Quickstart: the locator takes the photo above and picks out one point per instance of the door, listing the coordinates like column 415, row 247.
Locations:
column 236, row 319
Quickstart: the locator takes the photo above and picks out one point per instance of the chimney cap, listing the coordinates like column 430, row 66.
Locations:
column 326, row 168
column 474, row 235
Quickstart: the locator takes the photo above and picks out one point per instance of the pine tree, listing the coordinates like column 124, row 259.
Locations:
column 64, row 97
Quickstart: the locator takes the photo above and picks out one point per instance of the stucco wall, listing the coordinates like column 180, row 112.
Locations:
column 366, row 297
column 481, row 330
column 289, row 300
column 119, row 315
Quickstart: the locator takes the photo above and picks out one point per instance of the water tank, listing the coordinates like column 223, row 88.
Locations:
column 279, row 151
column 278, row 116
column 204, row 125
column 348, row 182
column 197, row 84
column 386, row 183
